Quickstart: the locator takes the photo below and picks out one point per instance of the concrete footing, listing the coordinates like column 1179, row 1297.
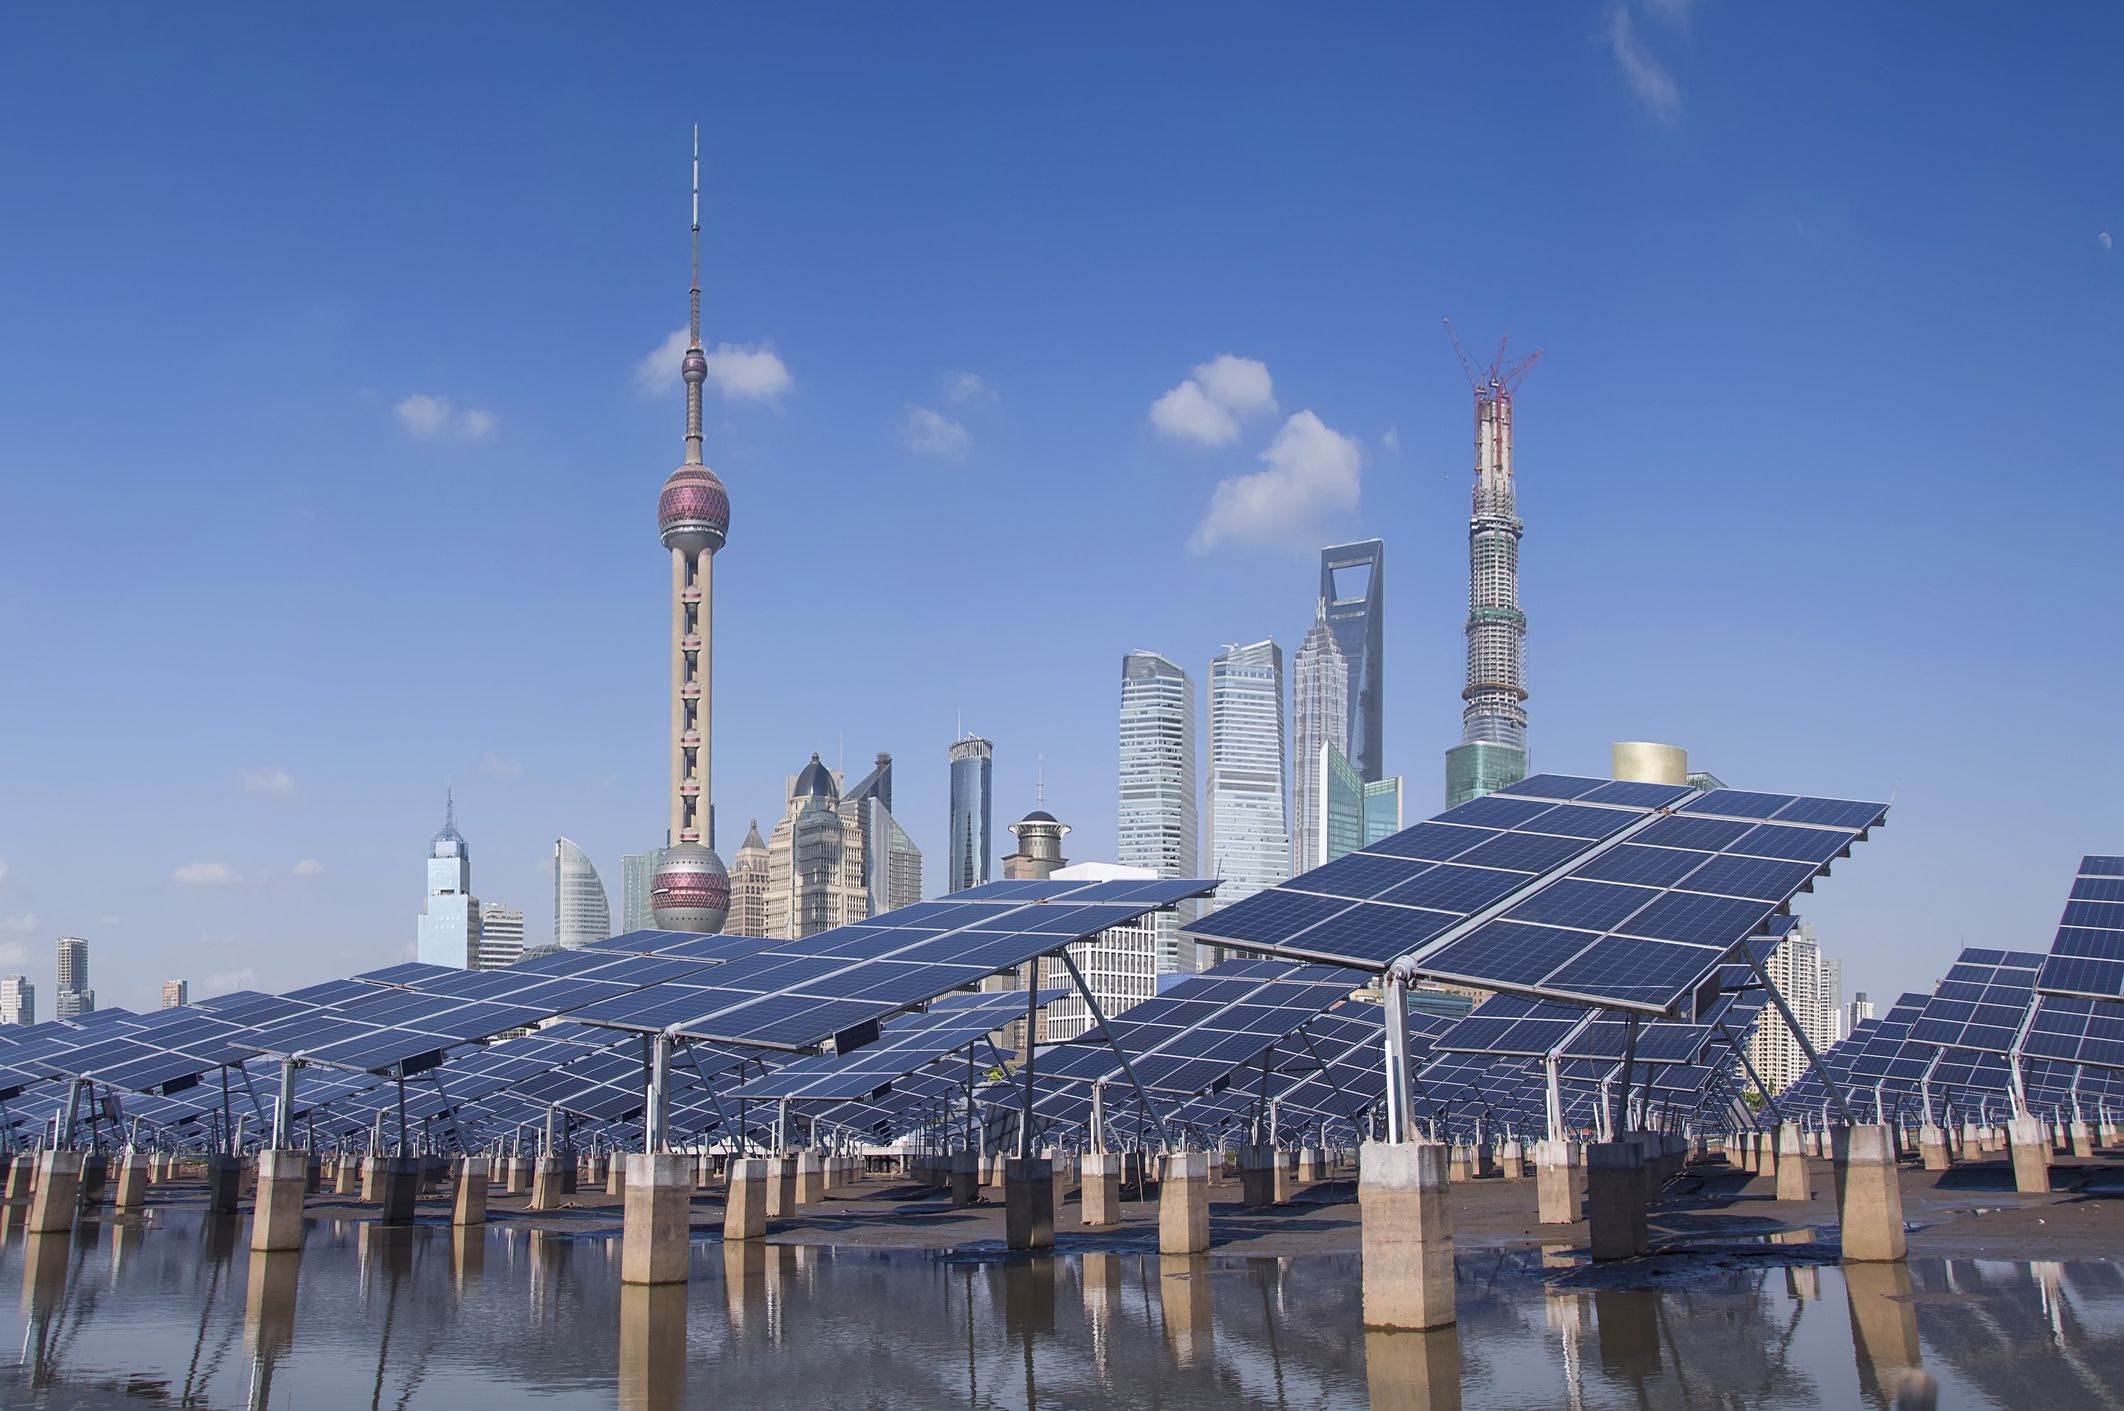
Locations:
column 1407, row 1235
column 1872, row 1210
column 1513, row 1158
column 1932, row 1148
column 1183, row 1204
column 469, row 1205
column 810, row 1179
column 2082, row 1141
column 1615, row 1200
column 1792, row 1182
column 95, row 1179
column 132, row 1186
column 654, row 1231
column 745, row 1201
column 58, row 1192
column 616, row 1176
column 276, row 1216
column 1257, row 1177
column 781, row 1187
column 21, row 1177
column 965, row 1179
column 2031, row 1155
column 1556, row 1181
column 1029, row 1203
column 1102, row 1189
column 546, row 1192
column 224, row 1176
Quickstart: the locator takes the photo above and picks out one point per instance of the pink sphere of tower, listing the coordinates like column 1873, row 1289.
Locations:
column 690, row 890
column 693, row 513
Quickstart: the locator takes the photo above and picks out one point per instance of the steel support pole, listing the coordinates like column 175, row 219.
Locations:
column 656, row 1103
column 1400, row 1104
column 1099, row 1017
column 1025, row 1106
column 284, row 1110
column 1814, row 1060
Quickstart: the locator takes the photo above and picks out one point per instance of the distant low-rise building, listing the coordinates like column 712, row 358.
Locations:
column 18, row 1000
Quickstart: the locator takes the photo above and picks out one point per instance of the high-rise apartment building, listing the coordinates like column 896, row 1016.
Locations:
column 637, row 876
column 1120, row 965
column 972, row 859
column 581, row 912
column 1247, row 832
column 1493, row 720
column 833, row 858
column 1343, row 812
column 448, row 929
column 1157, row 824
column 1353, row 598
column 176, row 993
column 1812, row 985
column 1856, row 1013
column 75, row 998
column 691, row 888
column 1320, row 721
column 748, row 887
column 501, row 936
column 18, row 1000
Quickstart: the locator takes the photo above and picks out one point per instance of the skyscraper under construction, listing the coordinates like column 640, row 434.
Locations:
column 1493, row 721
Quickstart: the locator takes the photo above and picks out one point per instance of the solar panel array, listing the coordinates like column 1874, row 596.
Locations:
column 2087, row 956
column 953, row 1023
column 1590, row 890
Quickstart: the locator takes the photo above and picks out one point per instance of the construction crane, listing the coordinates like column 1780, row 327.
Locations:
column 1496, row 376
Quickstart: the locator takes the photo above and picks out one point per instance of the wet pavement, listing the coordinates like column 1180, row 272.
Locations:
column 174, row 1308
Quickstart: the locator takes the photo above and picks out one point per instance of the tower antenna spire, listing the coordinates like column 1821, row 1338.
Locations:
column 695, row 322
column 695, row 366
column 449, row 809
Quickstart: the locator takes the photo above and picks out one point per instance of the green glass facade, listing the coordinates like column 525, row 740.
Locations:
column 1481, row 767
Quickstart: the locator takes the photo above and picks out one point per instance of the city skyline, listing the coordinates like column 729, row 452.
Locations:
column 282, row 832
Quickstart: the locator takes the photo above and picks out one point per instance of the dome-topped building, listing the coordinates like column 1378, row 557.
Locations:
column 691, row 888
column 816, row 781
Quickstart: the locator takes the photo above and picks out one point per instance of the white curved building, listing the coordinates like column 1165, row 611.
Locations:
column 581, row 914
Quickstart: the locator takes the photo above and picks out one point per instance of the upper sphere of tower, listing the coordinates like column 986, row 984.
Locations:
column 693, row 513
column 695, row 367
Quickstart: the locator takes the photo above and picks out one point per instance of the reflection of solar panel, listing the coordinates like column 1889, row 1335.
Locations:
column 2087, row 956
column 1558, row 887
column 951, row 1024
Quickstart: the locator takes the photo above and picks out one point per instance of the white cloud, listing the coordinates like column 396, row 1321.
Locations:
column 431, row 418
column 27, row 921
column 930, row 433
column 500, row 766
column 14, row 953
column 742, row 372
column 1312, row 470
column 309, row 867
column 1391, row 439
column 223, row 981
column 1647, row 77
column 2103, row 240
column 964, row 387
column 1206, row 408
column 205, row 874
column 1674, row 12
column 269, row 781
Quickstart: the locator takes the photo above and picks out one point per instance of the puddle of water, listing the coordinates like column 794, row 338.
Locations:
column 180, row 1311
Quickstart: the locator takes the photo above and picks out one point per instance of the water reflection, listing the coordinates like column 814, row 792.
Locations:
column 178, row 1309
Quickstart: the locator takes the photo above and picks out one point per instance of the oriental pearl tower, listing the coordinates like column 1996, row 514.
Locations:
column 691, row 888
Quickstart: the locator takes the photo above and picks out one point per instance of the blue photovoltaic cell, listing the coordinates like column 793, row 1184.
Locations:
column 1703, row 834
column 1433, row 842
column 1806, row 844
column 1451, row 887
column 1509, row 951
column 1750, row 877
column 1637, row 794
column 2083, row 944
column 1554, row 786
column 1738, row 803
column 1649, row 867
column 2098, row 889
column 1595, row 906
column 1372, row 931
column 1495, row 811
column 1575, row 821
column 1525, row 852
column 2094, row 915
column 2103, row 866
column 1686, row 916
column 1267, row 916
column 1358, row 875
column 1839, row 813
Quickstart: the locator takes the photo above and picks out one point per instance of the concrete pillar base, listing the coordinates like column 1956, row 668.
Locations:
column 2031, row 1155
column 1407, row 1235
column 1312, row 1165
column 469, row 1205
column 1615, row 1200
column 745, row 1201
column 1792, row 1182
column 223, row 1175
column 2082, row 1141
column 1872, row 1211
column 95, row 1179
column 1102, row 1190
column 1932, row 1148
column 1556, row 1180
column 1257, row 1177
column 616, row 1176
column 781, row 1187
column 965, row 1179
column 53, row 1207
column 546, row 1193
column 810, row 1179
column 1028, row 1203
column 276, row 1217
column 655, row 1230
column 1184, row 1204
column 1514, row 1162
column 399, row 1180
column 132, row 1180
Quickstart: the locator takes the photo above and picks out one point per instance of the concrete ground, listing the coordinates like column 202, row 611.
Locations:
column 1970, row 1211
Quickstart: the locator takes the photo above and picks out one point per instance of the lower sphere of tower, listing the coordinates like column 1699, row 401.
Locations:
column 690, row 891
column 693, row 512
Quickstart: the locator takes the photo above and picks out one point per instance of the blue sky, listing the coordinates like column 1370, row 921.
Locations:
column 328, row 459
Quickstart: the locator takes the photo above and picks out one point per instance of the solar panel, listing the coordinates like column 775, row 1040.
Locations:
column 1559, row 888
column 2087, row 955
column 951, row 1024
column 1981, row 1003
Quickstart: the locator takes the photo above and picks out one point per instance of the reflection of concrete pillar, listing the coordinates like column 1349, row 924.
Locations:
column 1184, row 1299
column 468, row 1255
column 652, row 1344
column 1102, row 1189
column 1407, row 1235
column 744, row 1279
column 1029, row 1296
column 1410, row 1371
column 1029, row 1203
column 1183, row 1204
column 1872, row 1196
column 2031, row 1155
column 658, row 1219
column 1628, row 1326
column 269, row 1303
column 1615, row 1200
column 44, row 1262
column 1556, row 1180
column 1792, row 1182
column 276, row 1215
column 1884, row 1330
